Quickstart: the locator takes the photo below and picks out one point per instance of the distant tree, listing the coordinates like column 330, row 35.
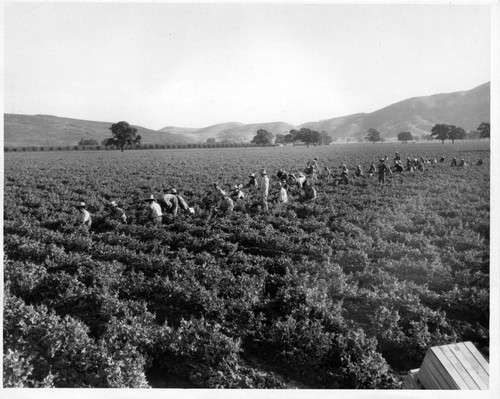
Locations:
column 416, row 138
column 211, row 140
column 263, row 137
column 138, row 139
column 456, row 133
column 326, row 139
column 280, row 139
column 405, row 137
column 373, row 135
column 308, row 136
column 87, row 142
column 484, row 128
column 292, row 136
column 441, row 132
column 123, row 134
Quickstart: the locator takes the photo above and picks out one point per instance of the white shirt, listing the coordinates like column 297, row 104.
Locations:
column 83, row 217
column 283, row 196
column 265, row 186
column 155, row 209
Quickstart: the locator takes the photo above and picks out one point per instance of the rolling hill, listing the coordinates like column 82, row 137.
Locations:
column 417, row 115
column 47, row 130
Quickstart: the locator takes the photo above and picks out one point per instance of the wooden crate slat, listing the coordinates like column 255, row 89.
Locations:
column 475, row 355
column 472, row 354
column 429, row 381
column 459, row 350
column 466, row 381
column 454, row 376
column 438, row 367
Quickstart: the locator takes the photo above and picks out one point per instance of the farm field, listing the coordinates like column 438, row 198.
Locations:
column 346, row 292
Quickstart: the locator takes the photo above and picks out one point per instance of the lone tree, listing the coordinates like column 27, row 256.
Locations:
column 405, row 137
column 123, row 134
column 484, row 129
column 441, row 132
column 263, row 137
column 373, row 135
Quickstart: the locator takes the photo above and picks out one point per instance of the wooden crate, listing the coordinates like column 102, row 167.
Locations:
column 454, row 366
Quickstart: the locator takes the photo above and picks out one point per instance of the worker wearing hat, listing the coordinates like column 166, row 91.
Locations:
column 264, row 189
column 226, row 205
column 383, row 169
column 117, row 213
column 236, row 193
column 83, row 216
column 252, row 183
column 154, row 210
column 171, row 202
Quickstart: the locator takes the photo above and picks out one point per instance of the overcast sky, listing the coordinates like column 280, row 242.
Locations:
column 194, row 65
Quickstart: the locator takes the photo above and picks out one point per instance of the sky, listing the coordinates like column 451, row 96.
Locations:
column 195, row 65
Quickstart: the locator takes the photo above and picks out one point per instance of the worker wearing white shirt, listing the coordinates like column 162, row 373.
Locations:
column 264, row 189
column 154, row 210
column 83, row 216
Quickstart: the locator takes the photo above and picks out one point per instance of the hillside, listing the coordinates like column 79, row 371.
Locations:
column 417, row 115
column 47, row 130
column 232, row 131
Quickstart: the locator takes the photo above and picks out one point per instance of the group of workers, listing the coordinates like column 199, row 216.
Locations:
column 223, row 202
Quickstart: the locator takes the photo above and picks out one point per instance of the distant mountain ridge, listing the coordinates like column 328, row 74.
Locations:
column 417, row 115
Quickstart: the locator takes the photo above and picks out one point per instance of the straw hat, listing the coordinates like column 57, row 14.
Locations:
column 113, row 204
column 251, row 175
column 151, row 198
column 173, row 191
column 81, row 204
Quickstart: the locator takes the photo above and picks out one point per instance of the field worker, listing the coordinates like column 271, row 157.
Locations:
column 398, row 167
column 480, row 162
column 310, row 193
column 344, row 174
column 154, row 210
column 420, row 165
column 252, row 183
column 327, row 173
column 359, row 172
column 442, row 158
column 462, row 163
column 182, row 202
column 282, row 175
column 171, row 202
column 117, row 213
column 371, row 171
column 397, row 157
column 264, row 189
column 226, row 205
column 237, row 194
column 300, row 180
column 219, row 193
column 282, row 195
column 313, row 168
column 83, row 216
column 386, row 158
column 382, row 171
column 454, row 162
